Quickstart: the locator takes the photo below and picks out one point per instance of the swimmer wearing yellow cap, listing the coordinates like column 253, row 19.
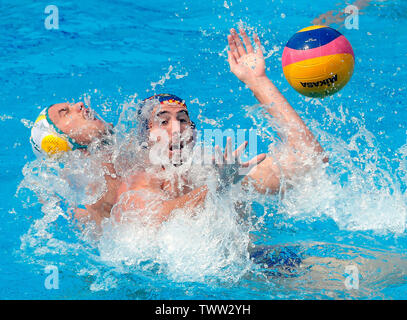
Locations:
column 65, row 126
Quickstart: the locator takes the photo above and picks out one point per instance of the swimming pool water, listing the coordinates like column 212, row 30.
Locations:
column 110, row 52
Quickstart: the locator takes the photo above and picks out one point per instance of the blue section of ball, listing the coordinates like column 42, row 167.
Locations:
column 313, row 38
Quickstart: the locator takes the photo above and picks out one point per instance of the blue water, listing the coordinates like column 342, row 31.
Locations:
column 111, row 52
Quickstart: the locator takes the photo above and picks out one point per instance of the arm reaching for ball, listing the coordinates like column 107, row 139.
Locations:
column 249, row 66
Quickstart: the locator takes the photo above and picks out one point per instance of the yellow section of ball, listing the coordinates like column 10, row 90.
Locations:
column 322, row 76
column 312, row 28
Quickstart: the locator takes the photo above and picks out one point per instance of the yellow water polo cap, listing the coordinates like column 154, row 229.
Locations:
column 48, row 140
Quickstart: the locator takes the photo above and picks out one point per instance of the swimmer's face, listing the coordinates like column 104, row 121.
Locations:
column 75, row 120
column 172, row 120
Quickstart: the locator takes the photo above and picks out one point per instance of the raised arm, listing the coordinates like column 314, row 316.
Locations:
column 249, row 66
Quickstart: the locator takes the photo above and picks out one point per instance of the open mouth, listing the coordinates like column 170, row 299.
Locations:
column 177, row 146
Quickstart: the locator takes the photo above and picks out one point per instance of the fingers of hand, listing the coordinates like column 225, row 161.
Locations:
column 239, row 151
column 255, row 161
column 228, row 151
column 246, row 41
column 218, row 158
column 239, row 45
column 231, row 59
column 260, row 158
column 233, row 47
column 258, row 43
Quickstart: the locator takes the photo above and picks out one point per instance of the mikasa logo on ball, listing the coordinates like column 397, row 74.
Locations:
column 326, row 82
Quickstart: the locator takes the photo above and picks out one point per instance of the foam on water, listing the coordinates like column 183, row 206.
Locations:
column 211, row 245
column 356, row 190
column 67, row 179
column 359, row 190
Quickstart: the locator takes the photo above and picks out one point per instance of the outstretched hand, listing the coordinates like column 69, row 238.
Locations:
column 247, row 64
column 231, row 169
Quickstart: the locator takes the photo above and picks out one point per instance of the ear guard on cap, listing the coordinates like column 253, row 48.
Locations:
column 47, row 140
